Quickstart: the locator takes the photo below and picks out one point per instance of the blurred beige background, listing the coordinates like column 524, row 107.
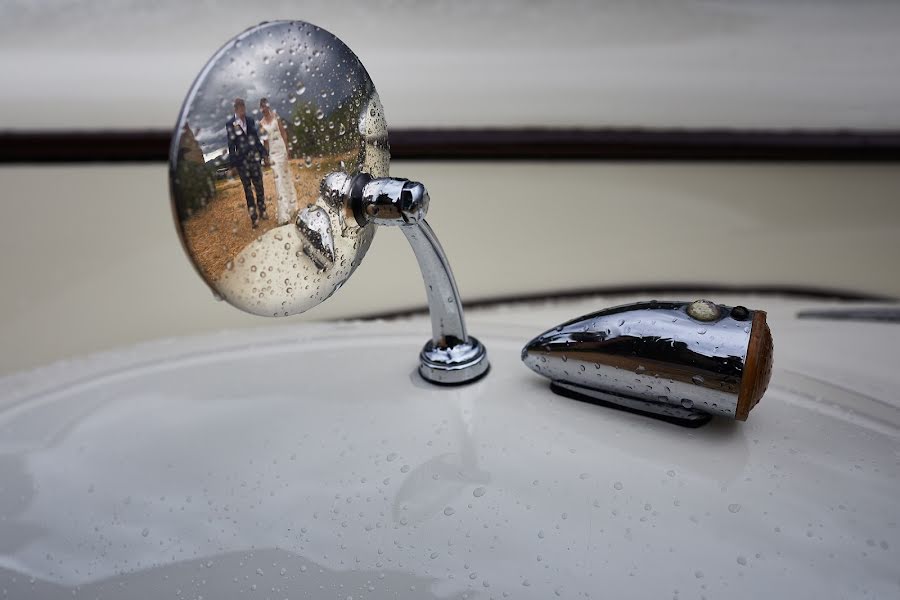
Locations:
column 90, row 259
column 776, row 64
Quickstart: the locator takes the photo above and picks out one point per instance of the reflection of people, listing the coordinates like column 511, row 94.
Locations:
column 245, row 151
column 278, row 154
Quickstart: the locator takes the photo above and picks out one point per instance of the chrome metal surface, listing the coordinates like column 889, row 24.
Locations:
column 679, row 415
column 651, row 351
column 274, row 110
column 451, row 356
column 447, row 323
column 453, row 363
column 390, row 201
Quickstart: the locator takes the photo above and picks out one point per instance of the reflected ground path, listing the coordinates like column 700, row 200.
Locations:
column 211, row 248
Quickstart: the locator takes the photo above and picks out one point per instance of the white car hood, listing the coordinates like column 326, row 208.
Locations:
column 311, row 461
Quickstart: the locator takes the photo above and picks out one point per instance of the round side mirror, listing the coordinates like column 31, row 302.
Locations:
column 273, row 112
column 279, row 176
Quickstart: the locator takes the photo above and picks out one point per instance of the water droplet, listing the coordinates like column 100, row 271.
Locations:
column 742, row 561
column 449, row 511
column 687, row 403
column 734, row 508
column 698, row 379
column 618, row 485
column 478, row 492
column 145, row 532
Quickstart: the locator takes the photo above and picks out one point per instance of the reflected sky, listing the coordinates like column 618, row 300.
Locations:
column 296, row 66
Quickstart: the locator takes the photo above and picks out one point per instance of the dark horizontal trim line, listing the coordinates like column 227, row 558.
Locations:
column 18, row 147
column 659, row 290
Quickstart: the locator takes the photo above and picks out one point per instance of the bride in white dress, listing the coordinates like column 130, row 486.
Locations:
column 278, row 154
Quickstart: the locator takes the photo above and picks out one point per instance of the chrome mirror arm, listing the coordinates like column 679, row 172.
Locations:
column 448, row 326
column 451, row 356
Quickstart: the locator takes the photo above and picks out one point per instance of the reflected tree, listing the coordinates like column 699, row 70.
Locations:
column 194, row 180
column 315, row 133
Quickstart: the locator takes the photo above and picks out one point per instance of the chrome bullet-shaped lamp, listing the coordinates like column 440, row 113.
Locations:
column 678, row 361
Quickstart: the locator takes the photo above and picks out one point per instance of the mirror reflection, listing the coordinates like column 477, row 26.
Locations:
column 274, row 111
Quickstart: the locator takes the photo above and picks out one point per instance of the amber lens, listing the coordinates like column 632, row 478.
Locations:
column 757, row 367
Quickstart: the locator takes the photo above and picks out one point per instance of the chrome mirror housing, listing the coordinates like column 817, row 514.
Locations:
column 279, row 177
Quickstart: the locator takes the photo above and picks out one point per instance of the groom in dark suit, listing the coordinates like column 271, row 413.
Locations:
column 245, row 151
